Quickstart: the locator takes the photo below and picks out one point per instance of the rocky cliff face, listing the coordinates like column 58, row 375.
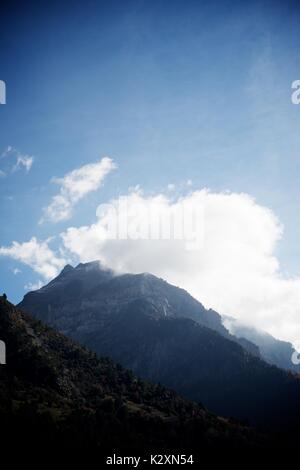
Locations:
column 94, row 292
column 80, row 299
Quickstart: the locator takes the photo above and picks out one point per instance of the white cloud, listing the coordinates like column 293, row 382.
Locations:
column 235, row 271
column 7, row 151
column 23, row 161
column 37, row 255
column 16, row 161
column 74, row 186
column 33, row 285
column 16, row 271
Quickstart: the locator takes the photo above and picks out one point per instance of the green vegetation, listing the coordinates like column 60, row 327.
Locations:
column 57, row 394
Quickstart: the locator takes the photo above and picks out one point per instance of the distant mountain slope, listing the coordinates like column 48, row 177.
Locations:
column 163, row 334
column 271, row 349
column 56, row 394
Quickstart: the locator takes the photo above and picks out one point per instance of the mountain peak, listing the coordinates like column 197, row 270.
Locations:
column 67, row 269
column 93, row 266
column 90, row 265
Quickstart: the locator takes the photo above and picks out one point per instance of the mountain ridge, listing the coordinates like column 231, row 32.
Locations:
column 163, row 334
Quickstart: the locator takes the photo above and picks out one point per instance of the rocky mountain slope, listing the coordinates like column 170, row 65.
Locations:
column 97, row 293
column 163, row 334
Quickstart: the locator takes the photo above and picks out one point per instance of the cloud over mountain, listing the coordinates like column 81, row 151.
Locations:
column 234, row 269
column 221, row 247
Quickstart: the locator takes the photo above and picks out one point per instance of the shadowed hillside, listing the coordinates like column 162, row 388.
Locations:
column 55, row 394
column 165, row 335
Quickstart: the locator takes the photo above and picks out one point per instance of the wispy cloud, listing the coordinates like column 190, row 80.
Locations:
column 23, row 161
column 33, row 285
column 7, row 151
column 16, row 271
column 13, row 160
column 74, row 186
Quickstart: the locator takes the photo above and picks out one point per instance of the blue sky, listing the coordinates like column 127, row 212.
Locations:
column 170, row 90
